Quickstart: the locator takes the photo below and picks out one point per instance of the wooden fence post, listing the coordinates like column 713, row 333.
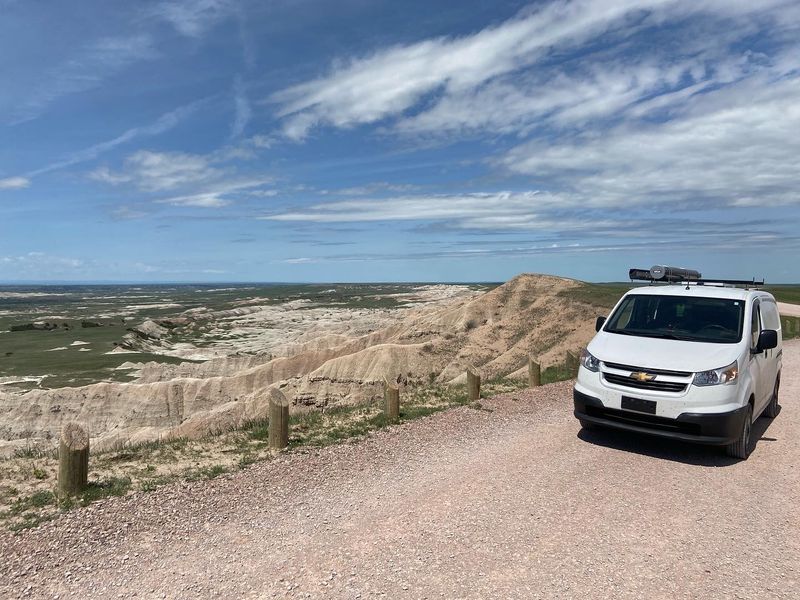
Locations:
column 534, row 373
column 473, row 384
column 391, row 401
column 278, row 419
column 73, row 459
column 572, row 364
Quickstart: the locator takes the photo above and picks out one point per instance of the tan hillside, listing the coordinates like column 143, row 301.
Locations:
column 495, row 332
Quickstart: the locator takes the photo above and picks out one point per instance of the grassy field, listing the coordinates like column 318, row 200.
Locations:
column 605, row 295
column 785, row 293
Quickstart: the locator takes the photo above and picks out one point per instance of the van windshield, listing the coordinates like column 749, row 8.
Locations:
column 715, row 320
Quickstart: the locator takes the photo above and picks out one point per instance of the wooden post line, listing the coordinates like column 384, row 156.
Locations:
column 73, row 459
column 534, row 373
column 473, row 384
column 278, row 419
column 391, row 401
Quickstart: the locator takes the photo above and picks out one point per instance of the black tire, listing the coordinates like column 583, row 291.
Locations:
column 773, row 408
column 741, row 447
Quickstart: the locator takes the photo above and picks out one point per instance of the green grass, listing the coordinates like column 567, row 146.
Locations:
column 785, row 293
column 601, row 295
column 790, row 327
column 249, row 444
column 104, row 488
column 24, row 507
column 209, row 472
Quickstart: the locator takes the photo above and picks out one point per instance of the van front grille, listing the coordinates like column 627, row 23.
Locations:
column 647, row 370
column 655, row 385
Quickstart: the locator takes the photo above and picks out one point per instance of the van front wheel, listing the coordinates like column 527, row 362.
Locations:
column 741, row 447
column 773, row 408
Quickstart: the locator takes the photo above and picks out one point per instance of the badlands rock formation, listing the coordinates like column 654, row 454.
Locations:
column 495, row 332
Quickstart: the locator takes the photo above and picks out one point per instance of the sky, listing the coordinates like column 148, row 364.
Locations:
column 376, row 140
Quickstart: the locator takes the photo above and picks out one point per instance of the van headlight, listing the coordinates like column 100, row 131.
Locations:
column 722, row 376
column 589, row 361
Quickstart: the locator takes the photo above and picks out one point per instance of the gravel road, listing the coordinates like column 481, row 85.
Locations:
column 508, row 502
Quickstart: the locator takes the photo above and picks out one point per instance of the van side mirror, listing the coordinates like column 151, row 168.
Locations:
column 598, row 324
column 767, row 339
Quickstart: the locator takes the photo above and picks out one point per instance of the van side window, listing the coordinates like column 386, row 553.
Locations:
column 769, row 315
column 755, row 327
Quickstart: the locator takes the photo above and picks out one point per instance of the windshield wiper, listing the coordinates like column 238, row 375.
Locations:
column 663, row 335
column 621, row 332
column 651, row 334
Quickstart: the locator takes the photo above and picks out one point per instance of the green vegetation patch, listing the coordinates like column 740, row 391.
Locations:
column 601, row 295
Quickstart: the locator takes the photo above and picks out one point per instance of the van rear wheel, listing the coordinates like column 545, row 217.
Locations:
column 773, row 408
column 741, row 447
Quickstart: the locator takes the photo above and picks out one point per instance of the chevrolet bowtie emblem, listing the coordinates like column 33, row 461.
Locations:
column 642, row 376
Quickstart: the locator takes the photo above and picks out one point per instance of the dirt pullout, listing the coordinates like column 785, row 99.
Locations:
column 789, row 310
column 495, row 332
column 508, row 502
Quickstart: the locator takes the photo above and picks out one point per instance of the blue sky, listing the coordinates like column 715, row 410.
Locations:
column 371, row 140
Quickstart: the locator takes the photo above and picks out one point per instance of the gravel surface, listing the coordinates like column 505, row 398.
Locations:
column 508, row 502
column 789, row 310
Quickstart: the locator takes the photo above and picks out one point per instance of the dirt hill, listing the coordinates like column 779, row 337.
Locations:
column 495, row 332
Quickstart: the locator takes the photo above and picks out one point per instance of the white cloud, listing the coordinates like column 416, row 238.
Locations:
column 105, row 175
column 14, row 183
column 733, row 147
column 393, row 80
column 217, row 195
column 161, row 171
column 298, row 261
column 499, row 210
column 126, row 213
column 42, row 263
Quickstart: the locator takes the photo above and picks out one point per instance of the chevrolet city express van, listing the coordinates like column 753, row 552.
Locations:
column 691, row 360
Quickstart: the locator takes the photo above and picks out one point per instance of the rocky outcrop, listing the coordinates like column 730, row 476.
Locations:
column 36, row 326
column 495, row 332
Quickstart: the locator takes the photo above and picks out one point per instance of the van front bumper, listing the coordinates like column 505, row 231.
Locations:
column 717, row 429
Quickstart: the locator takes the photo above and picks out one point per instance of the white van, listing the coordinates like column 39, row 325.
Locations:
column 692, row 359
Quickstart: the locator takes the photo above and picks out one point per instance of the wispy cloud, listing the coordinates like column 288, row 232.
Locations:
column 14, row 183
column 216, row 195
column 193, row 18
column 85, row 71
column 394, row 80
column 499, row 210
column 195, row 180
column 242, row 110
column 42, row 261
column 164, row 123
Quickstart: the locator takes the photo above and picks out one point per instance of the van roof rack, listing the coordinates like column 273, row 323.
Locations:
column 664, row 274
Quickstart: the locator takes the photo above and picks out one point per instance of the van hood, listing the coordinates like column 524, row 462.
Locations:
column 655, row 353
